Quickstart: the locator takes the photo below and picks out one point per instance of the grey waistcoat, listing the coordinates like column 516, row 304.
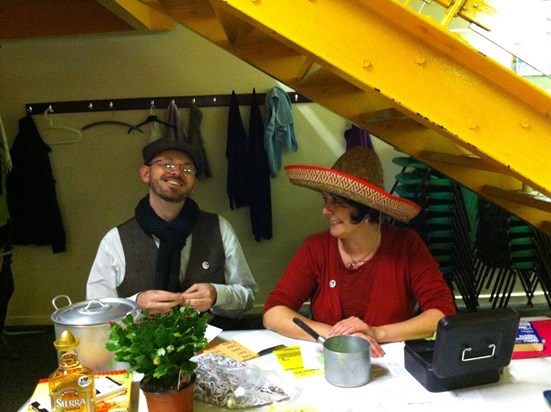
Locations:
column 206, row 261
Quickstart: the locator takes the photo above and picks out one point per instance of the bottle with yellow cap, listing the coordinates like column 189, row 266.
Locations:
column 71, row 385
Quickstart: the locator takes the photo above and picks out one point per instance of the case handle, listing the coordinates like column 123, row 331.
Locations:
column 464, row 354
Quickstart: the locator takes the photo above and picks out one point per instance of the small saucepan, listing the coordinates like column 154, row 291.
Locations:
column 347, row 358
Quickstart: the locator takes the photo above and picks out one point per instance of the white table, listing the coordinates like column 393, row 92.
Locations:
column 392, row 388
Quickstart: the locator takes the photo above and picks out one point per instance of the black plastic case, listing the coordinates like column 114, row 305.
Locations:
column 470, row 349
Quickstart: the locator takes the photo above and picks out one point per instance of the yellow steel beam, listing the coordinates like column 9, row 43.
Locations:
column 138, row 15
column 196, row 15
column 464, row 161
column 401, row 76
column 519, row 197
column 420, row 69
column 466, row 9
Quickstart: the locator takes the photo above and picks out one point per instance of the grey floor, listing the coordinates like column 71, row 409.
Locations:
column 26, row 355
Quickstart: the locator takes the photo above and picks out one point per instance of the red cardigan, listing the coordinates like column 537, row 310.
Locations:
column 386, row 289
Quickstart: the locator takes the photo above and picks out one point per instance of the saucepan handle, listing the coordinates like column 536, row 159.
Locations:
column 54, row 300
column 309, row 330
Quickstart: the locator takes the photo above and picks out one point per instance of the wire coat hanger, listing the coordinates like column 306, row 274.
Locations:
column 110, row 121
column 150, row 119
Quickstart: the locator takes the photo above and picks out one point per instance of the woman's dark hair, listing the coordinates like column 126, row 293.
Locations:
column 361, row 211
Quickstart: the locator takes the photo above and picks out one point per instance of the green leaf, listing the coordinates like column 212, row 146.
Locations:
column 160, row 345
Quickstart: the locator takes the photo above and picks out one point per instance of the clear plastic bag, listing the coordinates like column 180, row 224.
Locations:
column 224, row 381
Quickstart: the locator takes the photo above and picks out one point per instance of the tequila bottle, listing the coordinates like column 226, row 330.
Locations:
column 71, row 385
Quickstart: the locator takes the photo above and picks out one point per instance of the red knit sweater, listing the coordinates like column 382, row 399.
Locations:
column 386, row 289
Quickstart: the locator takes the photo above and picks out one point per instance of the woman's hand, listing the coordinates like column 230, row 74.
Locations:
column 350, row 326
column 376, row 349
column 357, row 327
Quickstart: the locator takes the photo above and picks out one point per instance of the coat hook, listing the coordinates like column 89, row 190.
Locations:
column 152, row 104
column 214, row 99
column 30, row 109
column 193, row 100
column 111, row 105
column 49, row 110
column 90, row 106
column 296, row 97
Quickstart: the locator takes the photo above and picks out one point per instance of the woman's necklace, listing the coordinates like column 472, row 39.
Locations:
column 359, row 262
column 355, row 264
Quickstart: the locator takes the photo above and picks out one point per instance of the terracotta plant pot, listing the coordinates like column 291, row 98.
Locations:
column 176, row 401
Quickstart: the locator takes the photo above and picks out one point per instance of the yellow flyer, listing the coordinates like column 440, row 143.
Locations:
column 290, row 359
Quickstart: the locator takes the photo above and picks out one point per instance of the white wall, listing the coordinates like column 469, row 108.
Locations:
column 97, row 180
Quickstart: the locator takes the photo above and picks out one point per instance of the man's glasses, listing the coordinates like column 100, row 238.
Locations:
column 171, row 167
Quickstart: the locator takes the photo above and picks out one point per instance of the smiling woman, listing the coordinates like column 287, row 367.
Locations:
column 362, row 277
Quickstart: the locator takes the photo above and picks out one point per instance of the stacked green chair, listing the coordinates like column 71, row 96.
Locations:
column 505, row 253
column 443, row 223
column 480, row 247
column 524, row 256
column 543, row 258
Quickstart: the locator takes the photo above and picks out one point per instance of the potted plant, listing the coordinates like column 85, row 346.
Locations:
column 160, row 346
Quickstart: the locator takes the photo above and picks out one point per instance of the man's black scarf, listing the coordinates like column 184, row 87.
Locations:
column 172, row 236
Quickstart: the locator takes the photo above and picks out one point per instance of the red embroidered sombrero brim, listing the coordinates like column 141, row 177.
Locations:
column 342, row 184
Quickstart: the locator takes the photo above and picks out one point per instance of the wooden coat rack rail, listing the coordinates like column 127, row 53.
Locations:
column 145, row 103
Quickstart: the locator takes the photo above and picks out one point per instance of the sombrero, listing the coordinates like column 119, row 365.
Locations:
column 356, row 175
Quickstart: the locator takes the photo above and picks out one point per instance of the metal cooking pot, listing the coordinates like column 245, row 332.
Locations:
column 346, row 358
column 90, row 321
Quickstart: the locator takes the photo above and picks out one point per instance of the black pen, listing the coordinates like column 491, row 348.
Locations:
column 270, row 350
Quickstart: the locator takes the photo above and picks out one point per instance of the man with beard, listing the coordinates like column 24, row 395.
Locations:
column 172, row 252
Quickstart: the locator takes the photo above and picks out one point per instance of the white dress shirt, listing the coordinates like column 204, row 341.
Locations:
column 233, row 298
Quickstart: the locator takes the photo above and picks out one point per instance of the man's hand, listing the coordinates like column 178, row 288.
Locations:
column 201, row 296
column 158, row 300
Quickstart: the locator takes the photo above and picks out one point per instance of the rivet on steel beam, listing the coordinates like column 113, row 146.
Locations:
column 524, row 124
column 473, row 125
column 366, row 64
column 421, row 61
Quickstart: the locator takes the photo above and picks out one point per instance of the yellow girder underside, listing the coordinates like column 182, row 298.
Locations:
column 403, row 77
column 138, row 15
